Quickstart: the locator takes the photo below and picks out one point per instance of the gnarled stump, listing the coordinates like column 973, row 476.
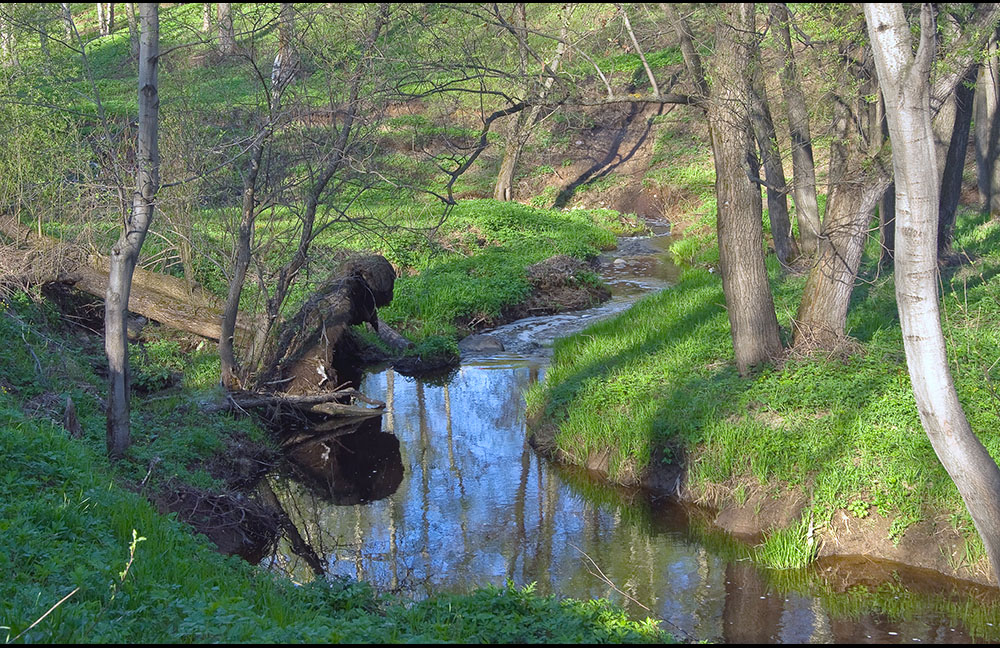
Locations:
column 313, row 352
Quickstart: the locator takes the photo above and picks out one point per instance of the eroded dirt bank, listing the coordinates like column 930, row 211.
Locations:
column 748, row 511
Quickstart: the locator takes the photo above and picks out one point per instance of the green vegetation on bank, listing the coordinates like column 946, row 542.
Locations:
column 843, row 428
column 71, row 522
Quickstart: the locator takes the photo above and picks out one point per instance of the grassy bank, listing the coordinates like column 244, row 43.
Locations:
column 70, row 523
column 658, row 384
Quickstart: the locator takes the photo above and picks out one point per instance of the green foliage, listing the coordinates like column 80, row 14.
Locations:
column 153, row 365
column 788, row 548
column 846, row 431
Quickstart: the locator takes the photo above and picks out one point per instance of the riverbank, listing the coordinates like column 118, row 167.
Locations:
column 82, row 540
column 822, row 455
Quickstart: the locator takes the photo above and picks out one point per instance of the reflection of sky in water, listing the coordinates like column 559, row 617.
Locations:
column 478, row 506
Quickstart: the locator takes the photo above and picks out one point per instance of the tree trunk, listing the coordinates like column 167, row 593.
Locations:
column 887, row 205
column 227, row 356
column 753, row 324
column 102, row 23
column 125, row 253
column 803, row 167
column 987, row 119
column 887, row 226
column 227, row 36
column 763, row 129
column 67, row 17
column 286, row 62
column 822, row 314
column 906, row 84
column 206, row 16
column 954, row 164
column 133, row 29
column 520, row 131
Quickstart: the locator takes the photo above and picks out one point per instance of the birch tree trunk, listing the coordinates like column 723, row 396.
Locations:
column 125, row 253
column 905, row 80
column 227, row 36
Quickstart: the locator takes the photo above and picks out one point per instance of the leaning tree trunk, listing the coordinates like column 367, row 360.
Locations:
column 803, row 167
column 906, row 85
column 753, row 324
column 125, row 253
column 822, row 316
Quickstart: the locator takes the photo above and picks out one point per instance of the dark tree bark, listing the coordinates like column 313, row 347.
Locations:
column 753, row 324
column 905, row 82
column 954, row 163
column 987, row 119
column 785, row 247
column 887, row 225
column 803, row 167
column 125, row 253
column 887, row 205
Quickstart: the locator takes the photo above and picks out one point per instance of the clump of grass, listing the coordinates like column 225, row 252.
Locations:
column 789, row 548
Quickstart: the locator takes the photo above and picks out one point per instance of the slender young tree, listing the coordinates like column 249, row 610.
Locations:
column 125, row 253
column 803, row 167
column 905, row 81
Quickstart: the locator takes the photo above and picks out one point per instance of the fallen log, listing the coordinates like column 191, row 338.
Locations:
column 243, row 400
column 169, row 300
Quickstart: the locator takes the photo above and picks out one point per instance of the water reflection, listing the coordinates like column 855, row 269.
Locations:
column 475, row 505
column 459, row 500
column 362, row 466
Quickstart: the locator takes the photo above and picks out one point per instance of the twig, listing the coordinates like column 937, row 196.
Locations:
column 600, row 574
column 39, row 620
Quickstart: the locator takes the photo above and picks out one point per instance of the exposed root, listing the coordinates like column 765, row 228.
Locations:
column 235, row 524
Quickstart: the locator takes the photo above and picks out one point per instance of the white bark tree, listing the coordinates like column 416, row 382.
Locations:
column 125, row 253
column 905, row 81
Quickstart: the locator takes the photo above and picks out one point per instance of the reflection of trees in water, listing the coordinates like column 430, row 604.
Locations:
column 494, row 511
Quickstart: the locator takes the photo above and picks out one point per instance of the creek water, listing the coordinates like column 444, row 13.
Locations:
column 449, row 496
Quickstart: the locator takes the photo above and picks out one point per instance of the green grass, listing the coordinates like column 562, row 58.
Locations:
column 72, row 523
column 845, row 431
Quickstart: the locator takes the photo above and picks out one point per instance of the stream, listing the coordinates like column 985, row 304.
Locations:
column 448, row 496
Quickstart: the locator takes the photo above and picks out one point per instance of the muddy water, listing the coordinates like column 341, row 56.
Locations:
column 462, row 501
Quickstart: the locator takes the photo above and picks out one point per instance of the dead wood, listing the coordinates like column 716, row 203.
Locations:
column 312, row 350
column 163, row 298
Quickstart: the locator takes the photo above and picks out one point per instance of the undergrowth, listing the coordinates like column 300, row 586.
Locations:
column 90, row 559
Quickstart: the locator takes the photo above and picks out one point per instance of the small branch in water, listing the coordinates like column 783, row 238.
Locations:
column 600, row 574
